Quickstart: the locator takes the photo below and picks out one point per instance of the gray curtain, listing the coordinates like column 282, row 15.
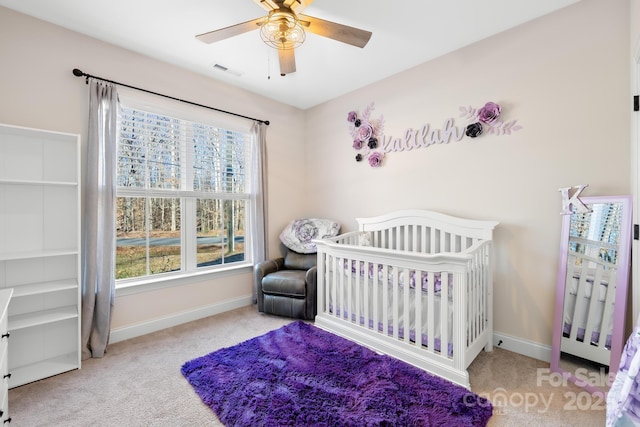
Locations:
column 98, row 256
column 258, row 193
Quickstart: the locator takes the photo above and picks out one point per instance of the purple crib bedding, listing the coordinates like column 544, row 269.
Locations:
column 623, row 399
column 412, row 333
column 359, row 267
column 595, row 335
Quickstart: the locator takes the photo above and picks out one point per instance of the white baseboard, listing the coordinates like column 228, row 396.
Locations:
column 155, row 325
column 504, row 341
column 522, row 346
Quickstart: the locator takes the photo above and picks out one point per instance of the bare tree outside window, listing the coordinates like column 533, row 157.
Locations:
column 178, row 179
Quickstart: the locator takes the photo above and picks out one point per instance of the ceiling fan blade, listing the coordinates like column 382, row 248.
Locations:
column 343, row 33
column 267, row 5
column 287, row 61
column 233, row 30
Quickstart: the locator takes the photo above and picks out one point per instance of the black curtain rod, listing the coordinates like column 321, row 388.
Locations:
column 79, row 73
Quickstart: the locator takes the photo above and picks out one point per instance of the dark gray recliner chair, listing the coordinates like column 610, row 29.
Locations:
column 286, row 286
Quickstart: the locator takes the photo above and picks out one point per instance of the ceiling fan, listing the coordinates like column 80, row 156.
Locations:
column 284, row 29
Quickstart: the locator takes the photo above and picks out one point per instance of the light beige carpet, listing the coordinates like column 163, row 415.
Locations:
column 138, row 383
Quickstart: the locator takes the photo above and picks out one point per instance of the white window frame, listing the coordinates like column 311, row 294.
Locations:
column 190, row 273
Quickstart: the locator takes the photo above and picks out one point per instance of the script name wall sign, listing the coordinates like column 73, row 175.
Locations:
column 423, row 137
column 372, row 144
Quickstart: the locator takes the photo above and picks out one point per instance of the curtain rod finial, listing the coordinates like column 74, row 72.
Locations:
column 77, row 73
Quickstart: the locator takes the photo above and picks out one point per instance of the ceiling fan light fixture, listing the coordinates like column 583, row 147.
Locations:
column 282, row 30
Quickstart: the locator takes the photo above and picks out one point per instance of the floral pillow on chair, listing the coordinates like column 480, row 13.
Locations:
column 298, row 235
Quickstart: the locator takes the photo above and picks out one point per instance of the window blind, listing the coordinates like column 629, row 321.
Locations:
column 156, row 151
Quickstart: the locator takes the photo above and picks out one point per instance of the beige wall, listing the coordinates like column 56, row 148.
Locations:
column 564, row 77
column 37, row 89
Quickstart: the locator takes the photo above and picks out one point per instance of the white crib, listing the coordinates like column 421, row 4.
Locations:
column 588, row 307
column 413, row 284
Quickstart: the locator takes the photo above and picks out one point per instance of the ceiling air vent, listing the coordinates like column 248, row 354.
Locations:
column 219, row 67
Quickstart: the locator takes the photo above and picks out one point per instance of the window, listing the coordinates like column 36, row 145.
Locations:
column 182, row 196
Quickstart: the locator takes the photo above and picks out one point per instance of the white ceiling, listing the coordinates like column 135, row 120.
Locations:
column 404, row 35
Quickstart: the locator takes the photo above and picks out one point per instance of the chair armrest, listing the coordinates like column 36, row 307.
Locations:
column 269, row 266
column 311, row 298
column 260, row 270
column 311, row 276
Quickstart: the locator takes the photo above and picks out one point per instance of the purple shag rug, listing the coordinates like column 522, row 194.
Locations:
column 300, row 375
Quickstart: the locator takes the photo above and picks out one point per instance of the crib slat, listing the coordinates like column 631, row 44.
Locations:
column 323, row 306
column 356, row 292
column 481, row 292
column 418, row 307
column 342, row 303
column 376, row 298
column 476, row 281
column 395, row 302
column 570, row 311
column 365, row 295
column 487, row 290
column 433, row 249
column 354, row 289
column 332, row 296
column 444, row 313
column 431, row 311
column 579, row 309
column 607, row 317
column 334, row 286
column 592, row 318
column 331, row 287
column 406, row 244
column 385, row 299
column 444, row 243
column 406, row 321
column 415, row 247
column 472, row 307
column 481, row 296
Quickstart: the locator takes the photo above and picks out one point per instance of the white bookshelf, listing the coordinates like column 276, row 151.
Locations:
column 40, row 250
column 5, row 297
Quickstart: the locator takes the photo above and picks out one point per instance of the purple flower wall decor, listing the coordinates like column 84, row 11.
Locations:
column 489, row 113
column 375, row 159
column 487, row 118
column 365, row 133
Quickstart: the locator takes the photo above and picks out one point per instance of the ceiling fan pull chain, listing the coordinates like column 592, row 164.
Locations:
column 268, row 65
